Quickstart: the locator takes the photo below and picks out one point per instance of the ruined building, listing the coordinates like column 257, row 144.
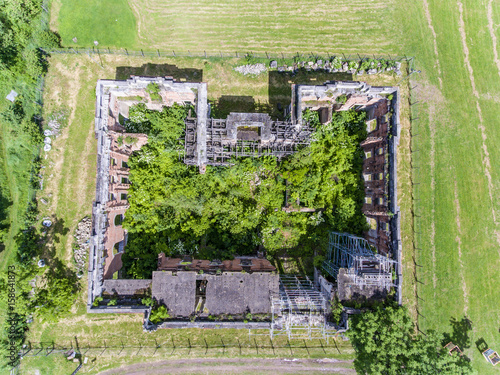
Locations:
column 244, row 284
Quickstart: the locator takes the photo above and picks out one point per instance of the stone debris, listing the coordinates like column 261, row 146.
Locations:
column 254, row 69
column 47, row 147
column 82, row 244
column 47, row 132
column 273, row 64
column 47, row 141
column 46, row 223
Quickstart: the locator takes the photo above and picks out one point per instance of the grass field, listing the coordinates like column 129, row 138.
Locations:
column 455, row 155
column 235, row 25
column 111, row 23
column 457, row 169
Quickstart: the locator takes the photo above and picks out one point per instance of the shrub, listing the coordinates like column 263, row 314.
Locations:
column 337, row 309
column 154, row 91
column 341, row 99
column 318, row 261
column 159, row 314
column 97, row 300
column 113, row 302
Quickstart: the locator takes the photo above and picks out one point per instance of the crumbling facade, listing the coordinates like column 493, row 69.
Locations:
column 217, row 141
column 114, row 147
column 379, row 165
column 250, row 284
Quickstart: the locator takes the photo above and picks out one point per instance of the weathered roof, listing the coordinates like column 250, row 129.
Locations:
column 126, row 287
column 227, row 293
column 249, row 264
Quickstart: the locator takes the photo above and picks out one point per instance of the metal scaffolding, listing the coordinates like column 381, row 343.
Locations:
column 282, row 138
column 300, row 311
column 356, row 255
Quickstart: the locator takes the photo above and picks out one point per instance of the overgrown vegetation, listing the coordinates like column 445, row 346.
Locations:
column 159, row 314
column 238, row 210
column 386, row 343
column 46, row 292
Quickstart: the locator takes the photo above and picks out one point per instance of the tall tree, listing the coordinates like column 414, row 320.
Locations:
column 386, row 343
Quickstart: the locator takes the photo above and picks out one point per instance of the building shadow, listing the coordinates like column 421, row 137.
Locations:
column 280, row 86
column 226, row 104
column 160, row 70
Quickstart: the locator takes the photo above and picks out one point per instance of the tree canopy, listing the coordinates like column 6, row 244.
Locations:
column 239, row 209
column 386, row 343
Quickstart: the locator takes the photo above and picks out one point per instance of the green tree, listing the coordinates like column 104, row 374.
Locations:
column 386, row 343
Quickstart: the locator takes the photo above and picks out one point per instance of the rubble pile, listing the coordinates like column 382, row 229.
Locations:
column 82, row 243
column 251, row 69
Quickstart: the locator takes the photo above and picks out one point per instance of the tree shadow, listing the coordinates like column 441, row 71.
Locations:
column 5, row 204
column 481, row 345
column 280, row 86
column 58, row 229
column 160, row 70
column 460, row 333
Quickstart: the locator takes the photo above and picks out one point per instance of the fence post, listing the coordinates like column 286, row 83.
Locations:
column 126, row 51
column 173, row 53
column 205, row 54
column 142, row 52
column 236, row 53
column 158, row 52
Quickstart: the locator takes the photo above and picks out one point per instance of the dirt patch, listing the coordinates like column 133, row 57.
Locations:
column 236, row 366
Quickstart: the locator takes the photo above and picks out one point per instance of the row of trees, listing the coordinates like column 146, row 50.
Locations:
column 23, row 29
column 237, row 210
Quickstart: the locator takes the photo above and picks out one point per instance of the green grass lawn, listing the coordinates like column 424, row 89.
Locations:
column 111, row 23
column 230, row 25
column 455, row 152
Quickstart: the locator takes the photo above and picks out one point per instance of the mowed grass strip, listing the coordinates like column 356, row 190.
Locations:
column 111, row 23
column 454, row 216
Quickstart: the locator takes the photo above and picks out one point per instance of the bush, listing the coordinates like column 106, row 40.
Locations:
column 318, row 261
column 154, row 91
column 113, row 302
column 97, row 300
column 147, row 301
column 159, row 314
column 337, row 309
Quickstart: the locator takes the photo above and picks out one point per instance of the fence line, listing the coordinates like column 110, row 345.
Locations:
column 415, row 166
column 171, row 347
column 212, row 54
